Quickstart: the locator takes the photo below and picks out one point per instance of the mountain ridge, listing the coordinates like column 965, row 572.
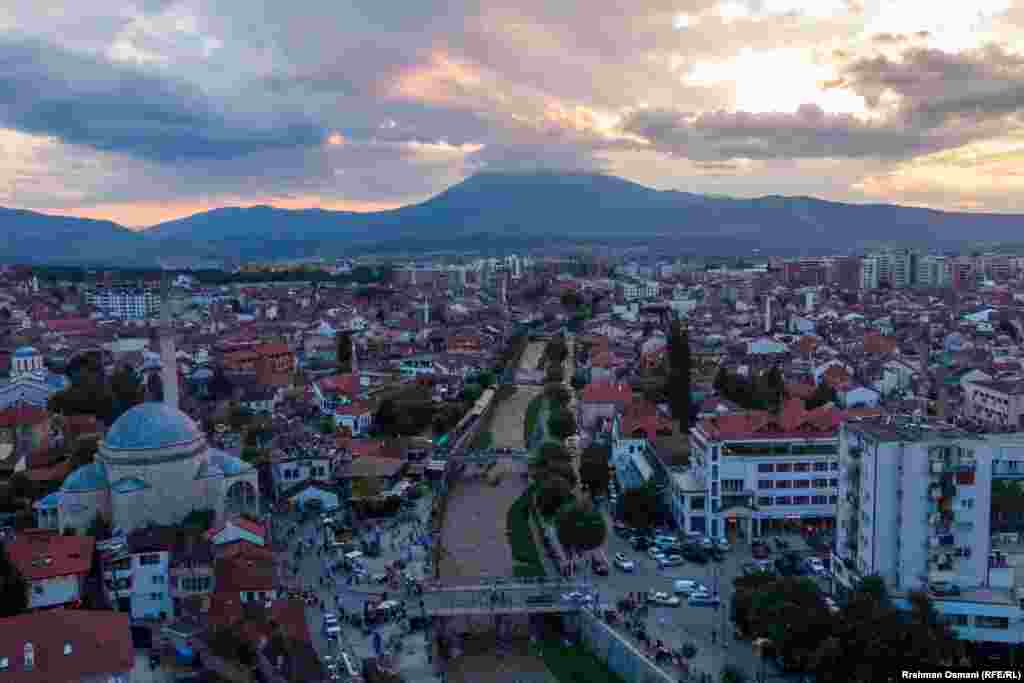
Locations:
column 507, row 208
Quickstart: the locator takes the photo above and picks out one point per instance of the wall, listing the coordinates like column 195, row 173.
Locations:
column 617, row 654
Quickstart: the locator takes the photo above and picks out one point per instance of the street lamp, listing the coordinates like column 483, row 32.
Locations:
column 761, row 646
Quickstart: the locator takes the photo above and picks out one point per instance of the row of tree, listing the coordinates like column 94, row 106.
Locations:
column 761, row 391
column 868, row 639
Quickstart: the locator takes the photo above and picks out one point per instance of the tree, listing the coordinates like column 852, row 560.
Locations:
column 594, row 471
column 485, row 379
column 471, row 392
column 791, row 613
column 344, row 352
column 99, row 528
column 327, row 425
column 679, row 374
column 562, row 424
column 127, row 390
column 581, row 527
column 557, row 393
column 155, row 387
column 552, row 494
column 640, row 506
column 220, row 387
column 13, row 588
column 823, row 394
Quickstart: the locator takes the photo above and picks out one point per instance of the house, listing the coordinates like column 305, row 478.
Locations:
column 249, row 575
column 55, row 567
column 463, row 343
column 602, row 400
column 336, row 390
column 369, row 475
column 238, row 529
column 356, row 417
column 765, row 346
column 148, row 557
column 191, row 568
column 69, row 646
column 997, row 403
column 652, row 353
column 852, row 395
column 290, row 471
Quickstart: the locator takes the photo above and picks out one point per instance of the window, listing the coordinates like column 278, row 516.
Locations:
column 766, row 467
column 801, row 500
column 764, row 500
column 67, row 648
column 821, row 483
column 697, row 503
column 992, row 622
column 29, row 653
column 159, row 579
column 955, row 619
column 802, row 484
column 821, row 467
column 967, row 503
column 819, row 500
column 834, row 467
column 764, row 484
column 714, row 488
column 714, row 471
column 156, row 596
column 802, row 467
column 145, row 560
column 782, row 500
column 833, row 483
column 732, row 485
column 4, row 663
column 783, row 484
column 784, row 467
column 249, row 595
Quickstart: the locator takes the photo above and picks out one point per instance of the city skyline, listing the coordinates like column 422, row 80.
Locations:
column 144, row 112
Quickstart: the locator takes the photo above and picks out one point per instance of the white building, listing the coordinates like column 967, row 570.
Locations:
column 914, row 508
column 764, row 473
column 127, row 304
column 869, row 272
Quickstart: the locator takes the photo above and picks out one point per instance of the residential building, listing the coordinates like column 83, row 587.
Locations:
column 127, row 304
column 764, row 473
column 70, row 646
column 869, row 272
column 914, row 509
column 934, row 271
column 54, row 567
column 997, row 403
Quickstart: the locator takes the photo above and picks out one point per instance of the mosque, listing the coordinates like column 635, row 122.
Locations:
column 153, row 466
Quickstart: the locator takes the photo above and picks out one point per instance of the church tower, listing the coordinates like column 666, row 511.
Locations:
column 168, row 354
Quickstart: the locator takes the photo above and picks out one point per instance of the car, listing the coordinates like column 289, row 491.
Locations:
column 764, row 565
column 670, row 561
column 831, row 605
column 781, row 544
column 703, row 599
column 542, row 599
column 688, row 586
column 655, row 553
column 666, row 541
column 723, row 545
column 707, row 543
column 716, row 554
column 624, row 563
column 759, row 550
column 598, row 564
column 751, row 568
column 664, row 599
column 331, row 626
column 623, row 531
column 640, row 543
column 941, row 588
column 578, row 598
column 696, row 555
column 815, row 565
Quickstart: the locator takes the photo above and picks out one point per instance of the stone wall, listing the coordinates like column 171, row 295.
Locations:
column 618, row 654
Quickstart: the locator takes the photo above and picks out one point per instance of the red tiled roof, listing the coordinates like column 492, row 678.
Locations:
column 793, row 420
column 39, row 554
column 643, row 416
column 101, row 645
column 244, row 572
column 342, row 384
column 70, row 325
column 243, row 548
column 22, row 415
column 355, row 408
column 807, row 345
column 272, row 349
column 365, row 447
column 607, row 392
column 836, row 375
column 242, row 523
column 800, row 390
column 876, row 343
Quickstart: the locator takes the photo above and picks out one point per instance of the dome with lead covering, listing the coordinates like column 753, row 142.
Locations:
column 152, row 427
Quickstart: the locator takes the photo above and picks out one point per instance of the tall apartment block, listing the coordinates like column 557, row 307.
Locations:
column 914, row 506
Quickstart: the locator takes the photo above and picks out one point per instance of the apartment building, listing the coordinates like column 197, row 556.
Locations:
column 997, row 403
column 934, row 271
column 914, row 508
column 127, row 304
column 763, row 473
column 869, row 272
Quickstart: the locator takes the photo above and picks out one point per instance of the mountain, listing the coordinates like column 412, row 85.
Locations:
column 505, row 210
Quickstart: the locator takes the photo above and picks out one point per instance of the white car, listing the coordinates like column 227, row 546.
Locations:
column 703, row 599
column 723, row 545
column 816, row 565
column 624, row 563
column 688, row 587
column 670, row 561
column 576, row 596
column 331, row 626
column 831, row 605
column 664, row 599
column 655, row 553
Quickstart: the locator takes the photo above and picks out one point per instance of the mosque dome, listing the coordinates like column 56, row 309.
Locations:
column 156, row 428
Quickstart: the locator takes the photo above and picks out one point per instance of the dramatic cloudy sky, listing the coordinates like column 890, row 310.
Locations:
column 143, row 111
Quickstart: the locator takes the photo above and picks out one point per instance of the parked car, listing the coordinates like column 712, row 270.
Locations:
column 696, row 555
column 815, row 565
column 578, row 598
column 703, row 599
column 688, row 586
column 759, row 550
column 598, row 564
column 640, row 543
column 750, row 568
column 543, row 599
column 723, row 545
column 624, row 563
column 831, row 605
column 943, row 588
column 716, row 554
column 331, row 626
column 664, row 599
column 666, row 541
column 622, row 531
column 655, row 553
column 707, row 543
column 670, row 561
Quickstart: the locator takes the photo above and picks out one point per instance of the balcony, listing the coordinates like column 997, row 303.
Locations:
column 855, row 452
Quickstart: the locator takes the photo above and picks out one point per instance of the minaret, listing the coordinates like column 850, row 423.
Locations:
column 168, row 354
column 355, row 356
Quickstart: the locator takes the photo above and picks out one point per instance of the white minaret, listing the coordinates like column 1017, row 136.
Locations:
column 767, row 315
column 168, row 354
column 355, row 356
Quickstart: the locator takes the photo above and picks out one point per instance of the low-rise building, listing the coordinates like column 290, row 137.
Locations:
column 55, row 567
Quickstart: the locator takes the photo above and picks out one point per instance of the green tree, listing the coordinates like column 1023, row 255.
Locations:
column 327, row 425
column 679, row 374
column 99, row 528
column 581, row 527
column 640, row 506
column 791, row 613
column 562, row 424
column 557, row 393
column 471, row 392
column 127, row 390
column 552, row 494
column 344, row 352
column 823, row 394
column 13, row 588
column 594, row 472
column 485, row 379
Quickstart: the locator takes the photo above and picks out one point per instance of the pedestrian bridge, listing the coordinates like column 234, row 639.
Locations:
column 550, row 597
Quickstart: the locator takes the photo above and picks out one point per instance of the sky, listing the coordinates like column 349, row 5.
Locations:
column 141, row 112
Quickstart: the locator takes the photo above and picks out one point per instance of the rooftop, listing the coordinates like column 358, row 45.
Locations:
column 908, row 428
column 67, row 645
column 42, row 554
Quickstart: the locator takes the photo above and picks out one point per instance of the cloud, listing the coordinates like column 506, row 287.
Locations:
column 84, row 100
column 810, row 133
